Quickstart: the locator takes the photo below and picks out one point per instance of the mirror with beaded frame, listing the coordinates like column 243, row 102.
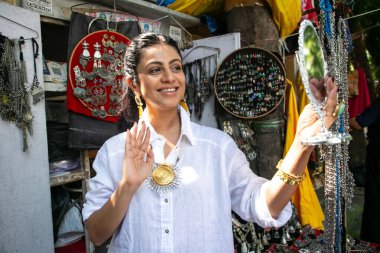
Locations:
column 313, row 69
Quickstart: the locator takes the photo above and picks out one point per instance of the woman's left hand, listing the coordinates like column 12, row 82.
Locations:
column 309, row 123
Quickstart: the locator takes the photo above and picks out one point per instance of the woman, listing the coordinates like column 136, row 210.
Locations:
column 198, row 176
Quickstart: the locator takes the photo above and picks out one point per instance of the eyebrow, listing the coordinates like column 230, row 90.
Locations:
column 160, row 63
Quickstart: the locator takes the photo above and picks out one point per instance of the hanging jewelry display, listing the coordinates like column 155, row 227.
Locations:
column 245, row 235
column 242, row 134
column 332, row 218
column 250, row 83
column 249, row 237
column 36, row 90
column 96, row 75
column 198, row 83
column 14, row 102
column 339, row 181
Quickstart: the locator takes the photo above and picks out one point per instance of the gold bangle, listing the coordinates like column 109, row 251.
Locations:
column 289, row 178
column 279, row 164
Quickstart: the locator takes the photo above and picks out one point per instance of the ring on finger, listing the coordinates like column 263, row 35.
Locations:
column 338, row 110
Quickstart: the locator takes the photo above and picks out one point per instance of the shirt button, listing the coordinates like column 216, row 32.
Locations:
column 167, row 231
column 166, row 200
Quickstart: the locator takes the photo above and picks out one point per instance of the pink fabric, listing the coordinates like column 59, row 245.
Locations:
column 358, row 104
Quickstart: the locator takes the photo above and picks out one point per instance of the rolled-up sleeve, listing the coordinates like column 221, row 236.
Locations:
column 100, row 186
column 247, row 192
column 261, row 211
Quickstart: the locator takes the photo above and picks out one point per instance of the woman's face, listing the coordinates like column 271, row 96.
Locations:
column 161, row 77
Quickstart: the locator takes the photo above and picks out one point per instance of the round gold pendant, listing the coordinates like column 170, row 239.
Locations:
column 164, row 177
column 163, row 174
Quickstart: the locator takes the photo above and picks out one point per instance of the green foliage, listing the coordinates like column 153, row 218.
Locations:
column 371, row 35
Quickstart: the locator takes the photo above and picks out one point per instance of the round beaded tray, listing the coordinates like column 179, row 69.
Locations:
column 250, row 82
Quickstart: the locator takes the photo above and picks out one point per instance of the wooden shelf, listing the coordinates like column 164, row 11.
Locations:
column 83, row 173
column 73, row 176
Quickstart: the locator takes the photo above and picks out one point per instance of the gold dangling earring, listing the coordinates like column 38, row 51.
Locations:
column 184, row 105
column 139, row 105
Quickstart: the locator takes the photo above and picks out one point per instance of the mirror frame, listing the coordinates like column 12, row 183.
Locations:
column 300, row 55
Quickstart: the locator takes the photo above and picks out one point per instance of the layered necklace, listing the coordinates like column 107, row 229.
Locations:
column 14, row 87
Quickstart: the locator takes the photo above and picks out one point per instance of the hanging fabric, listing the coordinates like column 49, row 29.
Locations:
column 286, row 15
column 304, row 199
column 196, row 8
column 308, row 6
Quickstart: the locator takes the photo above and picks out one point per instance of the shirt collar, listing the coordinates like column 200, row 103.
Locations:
column 186, row 129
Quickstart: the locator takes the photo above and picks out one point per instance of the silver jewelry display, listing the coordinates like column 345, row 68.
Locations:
column 198, row 83
column 36, row 90
column 96, row 72
column 14, row 102
column 334, row 143
column 339, row 183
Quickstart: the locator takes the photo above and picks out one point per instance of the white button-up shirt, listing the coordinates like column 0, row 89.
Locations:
column 214, row 177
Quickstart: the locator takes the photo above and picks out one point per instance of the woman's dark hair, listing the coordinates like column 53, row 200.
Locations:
column 128, row 107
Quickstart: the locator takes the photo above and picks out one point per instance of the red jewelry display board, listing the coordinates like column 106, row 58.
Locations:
column 96, row 75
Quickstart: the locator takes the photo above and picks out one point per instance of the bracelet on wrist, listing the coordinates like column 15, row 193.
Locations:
column 289, row 178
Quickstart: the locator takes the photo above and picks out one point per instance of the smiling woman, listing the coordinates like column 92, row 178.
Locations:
column 161, row 78
column 151, row 69
column 168, row 184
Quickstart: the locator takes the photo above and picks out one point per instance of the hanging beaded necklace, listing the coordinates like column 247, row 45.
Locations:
column 14, row 100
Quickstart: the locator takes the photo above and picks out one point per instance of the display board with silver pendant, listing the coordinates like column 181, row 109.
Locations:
column 96, row 74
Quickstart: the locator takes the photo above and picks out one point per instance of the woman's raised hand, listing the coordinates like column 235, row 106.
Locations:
column 138, row 156
column 309, row 123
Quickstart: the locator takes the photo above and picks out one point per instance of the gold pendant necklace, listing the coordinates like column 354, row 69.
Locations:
column 163, row 174
column 165, row 177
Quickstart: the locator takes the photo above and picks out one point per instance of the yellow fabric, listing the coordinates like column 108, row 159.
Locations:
column 304, row 199
column 286, row 15
column 197, row 7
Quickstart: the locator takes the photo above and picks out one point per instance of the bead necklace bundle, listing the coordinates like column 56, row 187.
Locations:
column 14, row 96
column 338, row 179
column 198, row 83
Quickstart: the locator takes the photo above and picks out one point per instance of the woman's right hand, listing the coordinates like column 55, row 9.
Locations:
column 138, row 156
